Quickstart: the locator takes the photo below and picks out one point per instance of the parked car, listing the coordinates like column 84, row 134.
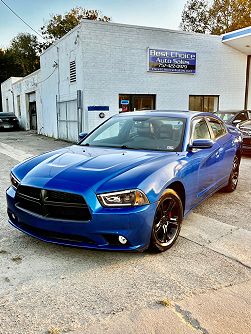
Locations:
column 245, row 128
column 8, row 121
column 128, row 184
column 233, row 117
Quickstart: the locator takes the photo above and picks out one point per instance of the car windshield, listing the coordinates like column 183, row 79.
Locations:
column 139, row 133
column 225, row 116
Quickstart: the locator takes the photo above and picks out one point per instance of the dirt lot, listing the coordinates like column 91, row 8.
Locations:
column 202, row 285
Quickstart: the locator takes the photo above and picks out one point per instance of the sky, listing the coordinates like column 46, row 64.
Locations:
column 153, row 13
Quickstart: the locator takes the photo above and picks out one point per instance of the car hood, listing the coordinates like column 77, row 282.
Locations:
column 77, row 168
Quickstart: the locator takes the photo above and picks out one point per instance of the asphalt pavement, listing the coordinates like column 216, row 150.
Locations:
column 201, row 285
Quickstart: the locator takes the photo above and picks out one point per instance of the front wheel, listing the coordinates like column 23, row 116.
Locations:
column 167, row 221
column 234, row 175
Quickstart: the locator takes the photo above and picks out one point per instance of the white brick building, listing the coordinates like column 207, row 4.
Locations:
column 108, row 62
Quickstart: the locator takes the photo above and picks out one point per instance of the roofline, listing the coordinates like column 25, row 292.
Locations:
column 27, row 76
column 244, row 32
column 20, row 78
column 54, row 44
column 132, row 26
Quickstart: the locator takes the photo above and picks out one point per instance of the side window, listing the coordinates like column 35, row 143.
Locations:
column 200, row 130
column 217, row 127
column 241, row 117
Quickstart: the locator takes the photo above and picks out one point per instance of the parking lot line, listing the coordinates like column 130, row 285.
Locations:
column 14, row 153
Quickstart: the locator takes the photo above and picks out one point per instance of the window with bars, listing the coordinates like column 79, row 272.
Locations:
column 73, row 73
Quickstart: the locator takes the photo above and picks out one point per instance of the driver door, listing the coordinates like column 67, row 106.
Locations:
column 205, row 160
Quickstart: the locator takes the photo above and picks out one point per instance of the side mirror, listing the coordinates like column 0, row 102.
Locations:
column 201, row 143
column 82, row 135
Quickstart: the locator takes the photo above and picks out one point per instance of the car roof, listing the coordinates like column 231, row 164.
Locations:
column 172, row 113
column 230, row 111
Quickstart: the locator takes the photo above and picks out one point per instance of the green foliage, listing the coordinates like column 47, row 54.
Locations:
column 8, row 66
column 221, row 17
column 59, row 25
column 229, row 15
column 195, row 16
column 24, row 52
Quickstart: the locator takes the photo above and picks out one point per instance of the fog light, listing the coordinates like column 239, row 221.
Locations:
column 122, row 240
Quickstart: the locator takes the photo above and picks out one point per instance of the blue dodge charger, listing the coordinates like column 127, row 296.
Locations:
column 128, row 184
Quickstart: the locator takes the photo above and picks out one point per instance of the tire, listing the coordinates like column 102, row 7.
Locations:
column 233, row 178
column 167, row 222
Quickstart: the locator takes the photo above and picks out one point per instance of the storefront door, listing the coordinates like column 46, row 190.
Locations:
column 134, row 102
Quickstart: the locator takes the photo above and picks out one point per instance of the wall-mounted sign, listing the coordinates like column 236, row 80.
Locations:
column 98, row 108
column 171, row 61
column 124, row 102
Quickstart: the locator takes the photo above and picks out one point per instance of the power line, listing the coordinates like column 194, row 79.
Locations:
column 22, row 19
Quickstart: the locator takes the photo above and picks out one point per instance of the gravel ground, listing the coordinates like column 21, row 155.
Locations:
column 46, row 288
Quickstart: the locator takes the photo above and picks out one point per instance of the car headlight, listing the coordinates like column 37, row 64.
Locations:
column 133, row 197
column 14, row 181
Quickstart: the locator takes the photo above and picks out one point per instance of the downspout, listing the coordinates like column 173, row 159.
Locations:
column 247, row 82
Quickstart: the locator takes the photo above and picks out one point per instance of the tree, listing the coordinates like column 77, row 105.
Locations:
column 195, row 16
column 221, row 17
column 8, row 68
column 24, row 52
column 59, row 25
column 229, row 15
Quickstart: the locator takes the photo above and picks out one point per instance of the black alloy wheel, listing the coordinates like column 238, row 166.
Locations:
column 234, row 175
column 167, row 221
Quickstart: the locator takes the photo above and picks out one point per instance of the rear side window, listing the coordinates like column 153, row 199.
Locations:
column 217, row 127
column 200, row 130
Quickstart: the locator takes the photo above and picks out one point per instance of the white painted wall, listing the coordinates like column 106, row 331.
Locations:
column 115, row 62
column 7, row 94
column 24, row 87
column 55, row 84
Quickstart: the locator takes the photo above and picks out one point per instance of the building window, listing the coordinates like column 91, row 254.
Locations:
column 18, row 106
column 203, row 102
column 7, row 105
column 73, row 73
column 133, row 102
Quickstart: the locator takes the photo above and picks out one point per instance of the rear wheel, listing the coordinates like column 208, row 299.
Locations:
column 167, row 221
column 234, row 175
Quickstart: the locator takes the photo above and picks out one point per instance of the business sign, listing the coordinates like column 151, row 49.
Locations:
column 98, row 108
column 171, row 61
column 124, row 102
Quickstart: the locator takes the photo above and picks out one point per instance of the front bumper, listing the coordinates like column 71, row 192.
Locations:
column 101, row 232
column 8, row 126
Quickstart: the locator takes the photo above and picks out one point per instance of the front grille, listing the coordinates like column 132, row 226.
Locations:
column 52, row 204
